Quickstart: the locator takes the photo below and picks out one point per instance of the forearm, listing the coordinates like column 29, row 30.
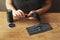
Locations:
column 9, row 5
column 44, row 9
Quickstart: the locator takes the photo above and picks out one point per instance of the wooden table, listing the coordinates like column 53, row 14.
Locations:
column 20, row 33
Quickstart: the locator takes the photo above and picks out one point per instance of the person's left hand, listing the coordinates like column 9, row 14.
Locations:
column 31, row 12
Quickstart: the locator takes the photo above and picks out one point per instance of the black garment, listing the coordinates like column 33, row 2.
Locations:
column 28, row 5
column 35, row 15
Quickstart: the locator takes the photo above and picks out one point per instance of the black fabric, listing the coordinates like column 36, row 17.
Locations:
column 28, row 5
column 35, row 15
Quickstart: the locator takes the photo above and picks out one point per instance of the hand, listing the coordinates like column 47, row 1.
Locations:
column 18, row 13
column 31, row 12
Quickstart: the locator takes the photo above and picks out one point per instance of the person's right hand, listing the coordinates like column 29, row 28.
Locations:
column 18, row 14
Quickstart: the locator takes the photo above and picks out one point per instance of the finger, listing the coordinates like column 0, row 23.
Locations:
column 17, row 14
column 14, row 15
column 22, row 13
column 29, row 14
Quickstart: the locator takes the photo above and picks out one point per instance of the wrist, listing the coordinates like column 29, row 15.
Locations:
column 37, row 11
column 14, row 10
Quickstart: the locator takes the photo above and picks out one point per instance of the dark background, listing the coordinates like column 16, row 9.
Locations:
column 54, row 8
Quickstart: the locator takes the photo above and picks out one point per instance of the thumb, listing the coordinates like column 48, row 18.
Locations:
column 30, row 13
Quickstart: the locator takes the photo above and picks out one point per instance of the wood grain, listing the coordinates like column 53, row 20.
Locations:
column 20, row 33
